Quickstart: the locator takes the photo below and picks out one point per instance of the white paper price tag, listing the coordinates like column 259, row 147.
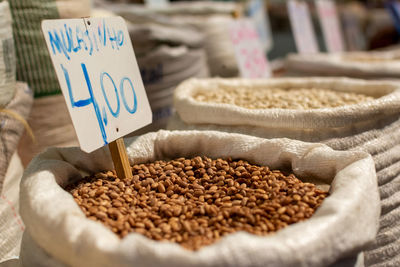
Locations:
column 99, row 78
column 258, row 13
column 330, row 25
column 157, row 3
column 302, row 27
column 248, row 49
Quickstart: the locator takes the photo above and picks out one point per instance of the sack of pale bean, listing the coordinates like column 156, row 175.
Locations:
column 211, row 198
column 345, row 114
column 366, row 65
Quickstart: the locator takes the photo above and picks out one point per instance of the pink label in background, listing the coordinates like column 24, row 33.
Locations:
column 302, row 27
column 330, row 25
column 248, row 50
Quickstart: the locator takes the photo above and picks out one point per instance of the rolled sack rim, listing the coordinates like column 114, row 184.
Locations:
column 66, row 234
column 337, row 62
column 387, row 103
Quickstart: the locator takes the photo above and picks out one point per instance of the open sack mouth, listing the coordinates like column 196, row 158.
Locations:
column 285, row 102
column 196, row 201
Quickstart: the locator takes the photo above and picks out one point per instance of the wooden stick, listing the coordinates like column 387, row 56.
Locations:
column 120, row 158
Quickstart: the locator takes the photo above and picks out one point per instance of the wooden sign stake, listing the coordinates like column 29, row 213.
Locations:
column 120, row 158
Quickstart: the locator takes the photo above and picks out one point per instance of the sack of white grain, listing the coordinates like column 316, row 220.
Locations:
column 58, row 232
column 366, row 65
column 7, row 56
column 33, row 61
column 12, row 119
column 346, row 114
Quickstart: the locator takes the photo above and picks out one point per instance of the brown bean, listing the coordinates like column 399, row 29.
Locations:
column 194, row 202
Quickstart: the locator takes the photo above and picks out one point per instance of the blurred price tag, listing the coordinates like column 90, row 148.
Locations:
column 330, row 25
column 248, row 49
column 258, row 13
column 156, row 3
column 302, row 27
column 99, row 77
column 394, row 9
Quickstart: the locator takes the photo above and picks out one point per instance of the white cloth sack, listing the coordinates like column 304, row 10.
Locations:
column 11, row 225
column 7, row 56
column 366, row 65
column 345, row 222
column 373, row 127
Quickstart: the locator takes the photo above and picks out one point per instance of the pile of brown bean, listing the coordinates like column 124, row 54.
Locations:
column 194, row 202
column 267, row 98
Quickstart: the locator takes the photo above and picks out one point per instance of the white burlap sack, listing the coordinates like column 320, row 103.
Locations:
column 373, row 127
column 7, row 56
column 345, row 222
column 11, row 225
column 366, row 65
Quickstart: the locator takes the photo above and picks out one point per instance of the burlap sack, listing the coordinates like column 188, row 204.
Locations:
column 7, row 56
column 12, row 123
column 373, row 127
column 366, row 65
column 12, row 118
column 58, row 231
column 33, row 61
column 11, row 225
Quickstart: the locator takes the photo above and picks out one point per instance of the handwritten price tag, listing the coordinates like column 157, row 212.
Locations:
column 302, row 27
column 248, row 49
column 99, row 77
column 330, row 25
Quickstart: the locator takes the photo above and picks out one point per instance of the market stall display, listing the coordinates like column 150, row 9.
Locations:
column 56, row 225
column 300, row 171
column 371, row 126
